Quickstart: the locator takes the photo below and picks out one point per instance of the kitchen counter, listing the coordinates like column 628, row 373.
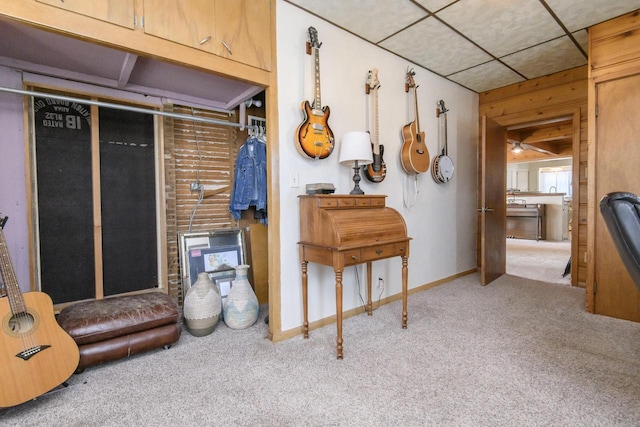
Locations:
column 556, row 211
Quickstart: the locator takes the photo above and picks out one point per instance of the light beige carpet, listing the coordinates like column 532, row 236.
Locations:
column 542, row 260
column 516, row 352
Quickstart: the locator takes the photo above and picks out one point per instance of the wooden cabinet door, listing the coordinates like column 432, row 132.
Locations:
column 618, row 157
column 191, row 23
column 119, row 12
column 243, row 29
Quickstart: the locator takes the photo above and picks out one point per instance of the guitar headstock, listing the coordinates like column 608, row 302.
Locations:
column 441, row 108
column 410, row 82
column 313, row 38
column 3, row 220
column 372, row 80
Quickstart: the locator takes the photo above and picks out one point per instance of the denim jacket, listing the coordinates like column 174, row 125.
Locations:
column 250, row 179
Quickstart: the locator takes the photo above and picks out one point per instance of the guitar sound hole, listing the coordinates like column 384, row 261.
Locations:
column 21, row 323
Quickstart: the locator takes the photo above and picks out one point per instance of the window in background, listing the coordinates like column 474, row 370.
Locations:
column 555, row 180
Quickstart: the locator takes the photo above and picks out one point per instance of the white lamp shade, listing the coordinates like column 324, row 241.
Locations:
column 356, row 146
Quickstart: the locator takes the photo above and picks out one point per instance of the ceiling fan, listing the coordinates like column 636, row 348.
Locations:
column 518, row 147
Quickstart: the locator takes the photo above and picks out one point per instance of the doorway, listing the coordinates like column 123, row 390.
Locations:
column 551, row 144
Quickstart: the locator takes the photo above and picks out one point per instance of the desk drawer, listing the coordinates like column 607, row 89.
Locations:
column 401, row 248
column 378, row 252
column 352, row 256
column 346, row 203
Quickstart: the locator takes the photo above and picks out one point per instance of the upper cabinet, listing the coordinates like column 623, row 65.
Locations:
column 119, row 12
column 235, row 29
column 191, row 23
column 243, row 29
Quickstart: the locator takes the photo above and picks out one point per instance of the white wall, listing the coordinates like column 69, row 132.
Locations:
column 13, row 199
column 442, row 222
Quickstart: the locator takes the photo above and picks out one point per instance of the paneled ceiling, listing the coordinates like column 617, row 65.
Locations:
column 479, row 44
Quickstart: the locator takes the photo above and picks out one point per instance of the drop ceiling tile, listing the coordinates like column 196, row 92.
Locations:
column 575, row 16
column 374, row 20
column 433, row 45
column 582, row 37
column 487, row 76
column 502, row 27
column 435, row 5
column 547, row 58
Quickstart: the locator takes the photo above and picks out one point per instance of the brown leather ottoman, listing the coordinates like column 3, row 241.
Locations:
column 118, row 327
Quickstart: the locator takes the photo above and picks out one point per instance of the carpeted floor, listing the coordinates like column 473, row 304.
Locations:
column 539, row 260
column 517, row 352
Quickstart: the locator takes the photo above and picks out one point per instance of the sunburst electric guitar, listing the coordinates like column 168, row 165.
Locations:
column 414, row 155
column 36, row 354
column 313, row 136
column 376, row 171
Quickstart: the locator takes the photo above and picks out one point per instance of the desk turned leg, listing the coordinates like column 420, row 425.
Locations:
column 339, row 311
column 305, row 311
column 405, row 276
column 369, row 303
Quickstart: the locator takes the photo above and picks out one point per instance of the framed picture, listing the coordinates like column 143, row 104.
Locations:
column 224, row 286
column 216, row 260
column 216, row 253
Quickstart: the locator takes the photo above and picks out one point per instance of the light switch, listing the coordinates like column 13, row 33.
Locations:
column 293, row 180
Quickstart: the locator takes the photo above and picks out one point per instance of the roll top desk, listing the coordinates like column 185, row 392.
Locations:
column 346, row 230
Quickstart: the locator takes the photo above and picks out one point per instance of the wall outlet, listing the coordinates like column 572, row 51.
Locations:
column 380, row 283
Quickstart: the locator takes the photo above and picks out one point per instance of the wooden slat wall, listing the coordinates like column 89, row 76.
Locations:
column 614, row 56
column 212, row 163
column 547, row 97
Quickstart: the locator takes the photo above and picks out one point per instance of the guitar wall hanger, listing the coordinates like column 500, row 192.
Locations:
column 409, row 82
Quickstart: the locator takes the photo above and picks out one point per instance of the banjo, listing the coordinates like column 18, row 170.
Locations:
column 442, row 165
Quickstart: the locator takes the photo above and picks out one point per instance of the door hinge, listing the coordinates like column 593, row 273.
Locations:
column 597, row 110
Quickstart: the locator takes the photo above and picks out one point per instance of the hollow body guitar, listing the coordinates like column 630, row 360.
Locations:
column 313, row 136
column 414, row 155
column 36, row 354
column 376, row 171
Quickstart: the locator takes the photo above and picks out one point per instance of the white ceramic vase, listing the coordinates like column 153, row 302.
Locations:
column 241, row 307
column 202, row 306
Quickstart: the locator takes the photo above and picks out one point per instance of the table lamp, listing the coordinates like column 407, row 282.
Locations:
column 356, row 150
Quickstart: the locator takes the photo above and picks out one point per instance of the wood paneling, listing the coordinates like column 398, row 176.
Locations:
column 209, row 159
column 614, row 43
column 614, row 117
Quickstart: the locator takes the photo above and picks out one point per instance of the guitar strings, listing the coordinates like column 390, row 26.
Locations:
column 20, row 317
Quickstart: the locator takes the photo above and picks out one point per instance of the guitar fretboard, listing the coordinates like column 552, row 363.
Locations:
column 9, row 277
column 375, row 136
column 317, row 104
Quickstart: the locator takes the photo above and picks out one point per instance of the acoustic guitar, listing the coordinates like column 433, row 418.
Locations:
column 442, row 165
column 414, row 155
column 36, row 354
column 313, row 136
column 376, row 171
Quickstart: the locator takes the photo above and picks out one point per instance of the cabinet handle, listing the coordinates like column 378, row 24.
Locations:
column 204, row 40
column 378, row 251
column 226, row 47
